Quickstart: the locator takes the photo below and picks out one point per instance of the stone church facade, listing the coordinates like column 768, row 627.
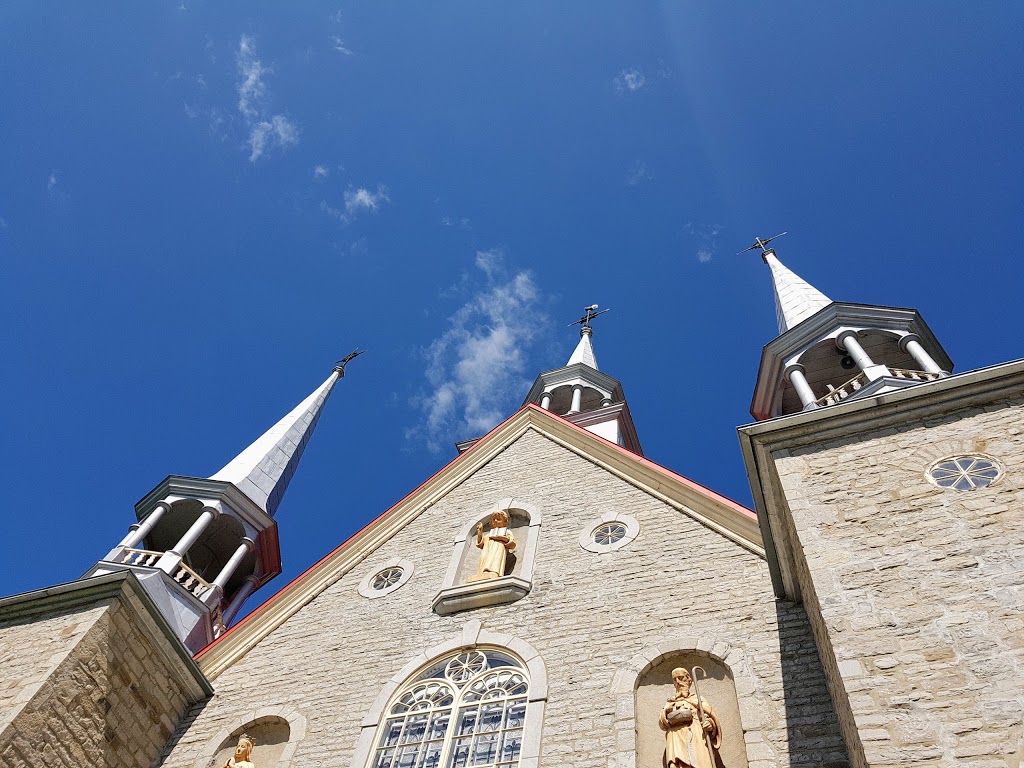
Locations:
column 535, row 602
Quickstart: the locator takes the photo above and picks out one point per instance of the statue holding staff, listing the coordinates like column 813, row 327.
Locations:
column 495, row 546
column 693, row 734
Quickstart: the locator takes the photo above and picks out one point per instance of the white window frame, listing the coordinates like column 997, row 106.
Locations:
column 470, row 637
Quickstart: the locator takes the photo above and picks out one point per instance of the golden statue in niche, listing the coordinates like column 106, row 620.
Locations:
column 693, row 735
column 496, row 544
column 243, row 753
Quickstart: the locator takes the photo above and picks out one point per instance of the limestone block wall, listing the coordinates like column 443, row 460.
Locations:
column 598, row 622
column 920, row 589
column 86, row 686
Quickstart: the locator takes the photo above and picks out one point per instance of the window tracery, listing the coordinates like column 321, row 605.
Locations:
column 465, row 710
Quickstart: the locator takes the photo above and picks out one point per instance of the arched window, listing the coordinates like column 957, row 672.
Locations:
column 466, row 709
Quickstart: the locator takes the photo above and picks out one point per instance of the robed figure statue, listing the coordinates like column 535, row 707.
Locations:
column 243, row 754
column 495, row 546
column 693, row 735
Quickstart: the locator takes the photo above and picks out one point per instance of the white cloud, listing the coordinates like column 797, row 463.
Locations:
column 51, row 183
column 475, row 369
column 320, row 172
column 252, row 89
column 631, row 79
column 339, row 46
column 266, row 134
column 356, row 201
column 704, row 255
column 265, row 131
column 362, row 199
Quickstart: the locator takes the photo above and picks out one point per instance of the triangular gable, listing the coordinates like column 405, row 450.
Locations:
column 728, row 518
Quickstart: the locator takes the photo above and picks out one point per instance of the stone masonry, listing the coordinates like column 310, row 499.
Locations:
column 94, row 690
column 919, row 588
column 590, row 616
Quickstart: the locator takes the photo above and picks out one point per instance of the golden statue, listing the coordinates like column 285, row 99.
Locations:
column 693, row 735
column 496, row 545
column 242, row 754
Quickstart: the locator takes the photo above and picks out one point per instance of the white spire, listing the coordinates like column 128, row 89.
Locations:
column 262, row 471
column 584, row 350
column 795, row 299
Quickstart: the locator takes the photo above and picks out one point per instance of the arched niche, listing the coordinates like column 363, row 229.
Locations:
column 459, row 593
column 275, row 733
column 644, row 685
column 655, row 687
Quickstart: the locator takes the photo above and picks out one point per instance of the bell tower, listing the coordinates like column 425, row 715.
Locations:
column 202, row 546
column 888, row 493
column 829, row 351
column 582, row 394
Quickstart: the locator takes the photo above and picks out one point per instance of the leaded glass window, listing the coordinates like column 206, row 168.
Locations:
column 607, row 534
column 467, row 710
column 386, row 578
column 964, row 473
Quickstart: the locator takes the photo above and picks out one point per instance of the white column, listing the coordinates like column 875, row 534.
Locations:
column 796, row 376
column 912, row 343
column 545, row 401
column 172, row 557
column 848, row 340
column 577, row 398
column 247, row 545
column 236, row 602
column 138, row 531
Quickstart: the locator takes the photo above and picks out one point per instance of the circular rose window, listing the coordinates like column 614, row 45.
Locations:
column 965, row 473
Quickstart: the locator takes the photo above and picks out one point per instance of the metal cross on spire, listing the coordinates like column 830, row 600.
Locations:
column 340, row 365
column 761, row 243
column 591, row 313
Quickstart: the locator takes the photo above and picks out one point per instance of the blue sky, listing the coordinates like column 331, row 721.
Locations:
column 205, row 204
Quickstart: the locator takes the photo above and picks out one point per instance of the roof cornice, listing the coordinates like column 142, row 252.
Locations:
column 722, row 515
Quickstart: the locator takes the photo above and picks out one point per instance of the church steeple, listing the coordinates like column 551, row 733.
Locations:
column 202, row 546
column 582, row 394
column 795, row 298
column 829, row 351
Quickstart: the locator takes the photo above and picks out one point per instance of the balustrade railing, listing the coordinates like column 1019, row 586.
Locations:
column 902, row 373
column 184, row 575
column 140, row 556
column 191, row 580
column 838, row 394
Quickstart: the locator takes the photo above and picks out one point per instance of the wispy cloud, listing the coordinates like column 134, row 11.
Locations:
column 339, row 46
column 320, row 172
column 475, row 369
column 629, row 80
column 278, row 131
column 51, row 183
column 638, row 173
column 356, row 201
column 266, row 131
column 705, row 237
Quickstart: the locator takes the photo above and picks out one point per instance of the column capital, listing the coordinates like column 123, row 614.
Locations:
column 793, row 367
column 848, row 333
column 905, row 340
column 214, row 511
column 249, row 543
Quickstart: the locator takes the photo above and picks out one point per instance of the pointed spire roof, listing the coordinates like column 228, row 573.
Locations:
column 263, row 470
column 795, row 299
column 584, row 350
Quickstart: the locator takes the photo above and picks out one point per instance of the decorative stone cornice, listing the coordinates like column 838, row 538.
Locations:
column 726, row 517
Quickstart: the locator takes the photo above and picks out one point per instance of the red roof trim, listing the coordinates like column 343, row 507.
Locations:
column 736, row 506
